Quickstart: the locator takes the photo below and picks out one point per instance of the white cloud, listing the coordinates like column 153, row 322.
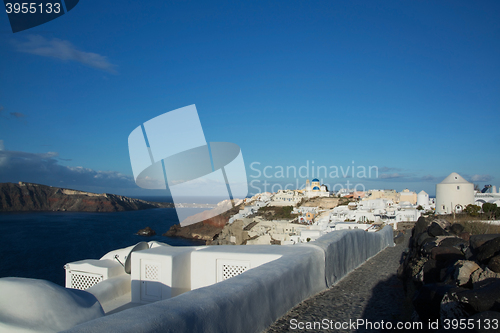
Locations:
column 64, row 50
column 391, row 175
column 481, row 178
column 387, row 169
column 45, row 169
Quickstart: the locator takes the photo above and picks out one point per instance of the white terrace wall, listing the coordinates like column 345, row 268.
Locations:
column 345, row 250
column 252, row 301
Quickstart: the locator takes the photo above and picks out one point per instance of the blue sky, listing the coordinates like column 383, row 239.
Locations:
column 410, row 87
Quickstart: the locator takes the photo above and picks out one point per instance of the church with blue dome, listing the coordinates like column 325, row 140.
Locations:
column 315, row 189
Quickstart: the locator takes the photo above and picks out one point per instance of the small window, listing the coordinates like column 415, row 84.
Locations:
column 444, row 207
column 458, row 187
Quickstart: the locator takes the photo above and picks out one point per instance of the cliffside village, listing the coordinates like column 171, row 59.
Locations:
column 299, row 216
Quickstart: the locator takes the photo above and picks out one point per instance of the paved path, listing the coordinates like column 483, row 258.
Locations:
column 371, row 292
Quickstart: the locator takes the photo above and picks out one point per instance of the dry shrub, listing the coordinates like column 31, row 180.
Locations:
column 479, row 228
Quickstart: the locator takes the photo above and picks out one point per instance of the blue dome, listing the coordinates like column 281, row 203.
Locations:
column 315, row 188
column 315, row 180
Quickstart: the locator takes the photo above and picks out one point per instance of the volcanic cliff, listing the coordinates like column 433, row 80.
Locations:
column 35, row 197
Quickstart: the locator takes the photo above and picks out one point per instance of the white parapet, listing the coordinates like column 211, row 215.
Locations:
column 160, row 273
column 218, row 263
column 84, row 274
column 277, row 278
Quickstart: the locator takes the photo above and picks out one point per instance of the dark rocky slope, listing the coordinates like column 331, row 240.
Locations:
column 209, row 227
column 452, row 275
column 35, row 197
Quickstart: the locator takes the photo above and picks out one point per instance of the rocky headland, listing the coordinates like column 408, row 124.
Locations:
column 209, row 228
column 34, row 197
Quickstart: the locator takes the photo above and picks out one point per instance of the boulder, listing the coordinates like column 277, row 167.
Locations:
column 488, row 250
column 455, row 242
column 456, row 229
column 431, row 271
column 494, row 264
column 436, row 230
column 480, row 275
column 147, row 232
column 481, row 299
column 463, row 270
column 465, row 236
column 429, row 244
column 424, row 238
column 414, row 269
column 451, row 307
column 421, row 225
column 478, row 240
column 446, row 253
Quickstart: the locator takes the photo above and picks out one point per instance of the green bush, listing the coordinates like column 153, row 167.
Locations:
column 472, row 210
column 277, row 213
column 490, row 209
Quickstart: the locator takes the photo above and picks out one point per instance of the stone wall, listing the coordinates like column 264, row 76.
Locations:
column 450, row 274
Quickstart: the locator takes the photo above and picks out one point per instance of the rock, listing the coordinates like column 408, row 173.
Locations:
column 436, row 230
column 428, row 300
column 494, row 264
column 418, row 230
column 446, row 253
column 203, row 231
column 480, row 275
column 477, row 240
column 429, row 244
column 455, row 242
column 469, row 255
column 481, row 299
column 146, row 232
column 457, row 229
column 463, row 270
column 172, row 232
column 421, row 225
column 444, row 224
column 424, row 238
column 483, row 317
column 414, row 269
column 431, row 271
column 488, row 249
column 465, row 236
column 451, row 308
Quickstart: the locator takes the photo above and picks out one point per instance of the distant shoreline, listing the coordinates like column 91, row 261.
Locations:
column 30, row 197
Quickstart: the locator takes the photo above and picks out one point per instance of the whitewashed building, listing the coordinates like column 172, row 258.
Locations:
column 453, row 194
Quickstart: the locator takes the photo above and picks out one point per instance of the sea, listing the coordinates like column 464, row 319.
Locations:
column 39, row 244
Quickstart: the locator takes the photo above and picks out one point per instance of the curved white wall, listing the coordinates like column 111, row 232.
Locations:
column 456, row 194
column 252, row 301
column 423, row 199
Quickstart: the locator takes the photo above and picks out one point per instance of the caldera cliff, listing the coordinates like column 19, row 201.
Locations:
column 34, row 197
